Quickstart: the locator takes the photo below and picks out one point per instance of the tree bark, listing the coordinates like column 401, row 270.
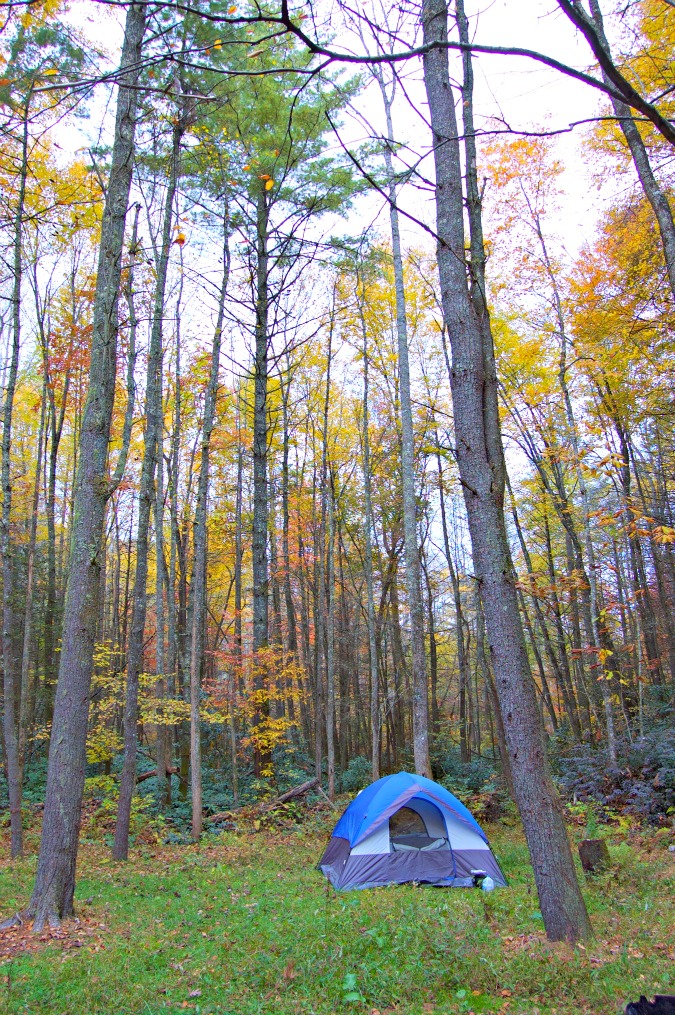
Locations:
column 420, row 697
column 55, row 879
column 368, row 561
column 330, row 648
column 262, row 759
column 146, row 497
column 198, row 585
column 27, row 706
column 481, row 468
column 11, row 685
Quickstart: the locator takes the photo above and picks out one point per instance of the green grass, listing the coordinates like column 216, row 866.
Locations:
column 247, row 922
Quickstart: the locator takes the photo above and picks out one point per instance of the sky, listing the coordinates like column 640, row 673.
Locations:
column 525, row 94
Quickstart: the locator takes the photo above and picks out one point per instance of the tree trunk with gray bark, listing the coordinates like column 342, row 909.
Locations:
column 9, row 662
column 54, row 888
column 480, row 461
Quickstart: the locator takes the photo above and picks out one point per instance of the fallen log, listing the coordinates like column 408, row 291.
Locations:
column 152, row 773
column 291, row 794
column 221, row 816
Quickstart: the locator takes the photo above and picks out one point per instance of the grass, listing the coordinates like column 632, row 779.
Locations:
column 243, row 924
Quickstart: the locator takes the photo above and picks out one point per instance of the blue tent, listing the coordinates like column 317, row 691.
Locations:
column 407, row 828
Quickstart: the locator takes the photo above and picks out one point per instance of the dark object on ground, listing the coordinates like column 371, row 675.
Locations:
column 663, row 1004
column 594, row 855
column 406, row 828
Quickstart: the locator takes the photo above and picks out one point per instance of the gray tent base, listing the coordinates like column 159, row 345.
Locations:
column 443, row 867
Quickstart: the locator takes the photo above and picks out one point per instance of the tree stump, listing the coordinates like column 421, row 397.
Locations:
column 594, row 855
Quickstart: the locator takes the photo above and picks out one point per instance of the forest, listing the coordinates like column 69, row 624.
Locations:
column 337, row 441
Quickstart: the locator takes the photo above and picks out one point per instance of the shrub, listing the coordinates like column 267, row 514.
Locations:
column 356, row 776
column 642, row 783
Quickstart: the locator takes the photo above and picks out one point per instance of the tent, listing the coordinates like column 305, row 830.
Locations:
column 407, row 828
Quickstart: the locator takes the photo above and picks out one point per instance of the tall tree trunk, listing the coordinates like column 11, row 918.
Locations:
column 161, row 583
column 368, row 561
column 146, row 499
column 198, row 585
column 420, row 697
column 11, row 684
column 481, row 466
column 462, row 655
column 174, row 616
column 588, row 537
column 238, row 544
column 55, row 879
column 50, row 620
column 330, row 648
column 27, row 707
column 291, row 622
column 262, row 759
column 321, row 626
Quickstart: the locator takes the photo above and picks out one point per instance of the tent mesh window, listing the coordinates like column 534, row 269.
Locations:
column 406, row 822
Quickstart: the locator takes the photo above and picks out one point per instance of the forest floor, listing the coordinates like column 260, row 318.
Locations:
column 243, row 923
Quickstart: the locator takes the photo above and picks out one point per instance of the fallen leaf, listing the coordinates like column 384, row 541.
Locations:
column 290, row 972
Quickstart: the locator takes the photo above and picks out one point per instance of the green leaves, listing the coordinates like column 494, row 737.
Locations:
column 350, row 990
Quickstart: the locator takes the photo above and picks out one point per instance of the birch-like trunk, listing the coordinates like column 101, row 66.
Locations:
column 146, row 498
column 420, row 696
column 368, row 562
column 198, row 584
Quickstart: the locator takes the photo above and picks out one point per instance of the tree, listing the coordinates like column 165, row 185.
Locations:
column 480, row 461
column 593, row 28
column 153, row 425
column 287, row 183
column 412, row 559
column 52, row 897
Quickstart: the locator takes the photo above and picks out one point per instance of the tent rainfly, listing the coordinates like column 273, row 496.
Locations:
column 407, row 828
